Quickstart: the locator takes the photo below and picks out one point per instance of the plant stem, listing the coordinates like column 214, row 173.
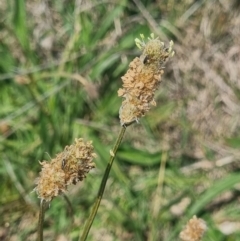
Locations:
column 102, row 186
column 157, row 200
column 40, row 220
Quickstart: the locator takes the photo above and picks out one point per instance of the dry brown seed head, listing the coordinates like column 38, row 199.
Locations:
column 194, row 230
column 68, row 167
column 142, row 79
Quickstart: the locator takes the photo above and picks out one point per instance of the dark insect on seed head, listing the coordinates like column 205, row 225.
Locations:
column 63, row 163
column 146, row 60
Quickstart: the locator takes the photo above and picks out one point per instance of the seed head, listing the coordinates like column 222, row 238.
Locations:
column 142, row 79
column 68, row 167
column 194, row 230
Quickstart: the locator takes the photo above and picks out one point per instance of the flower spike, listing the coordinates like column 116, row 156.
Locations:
column 142, row 79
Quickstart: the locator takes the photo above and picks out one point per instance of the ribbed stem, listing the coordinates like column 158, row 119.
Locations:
column 102, row 186
column 41, row 220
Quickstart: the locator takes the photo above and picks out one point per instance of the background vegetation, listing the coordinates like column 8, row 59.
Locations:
column 60, row 68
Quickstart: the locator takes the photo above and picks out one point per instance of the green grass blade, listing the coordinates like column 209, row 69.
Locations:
column 216, row 189
column 20, row 23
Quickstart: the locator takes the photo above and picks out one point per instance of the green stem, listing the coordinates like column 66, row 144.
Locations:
column 40, row 221
column 102, row 186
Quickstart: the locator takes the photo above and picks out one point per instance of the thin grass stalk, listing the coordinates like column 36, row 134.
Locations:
column 157, row 202
column 102, row 186
column 41, row 220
